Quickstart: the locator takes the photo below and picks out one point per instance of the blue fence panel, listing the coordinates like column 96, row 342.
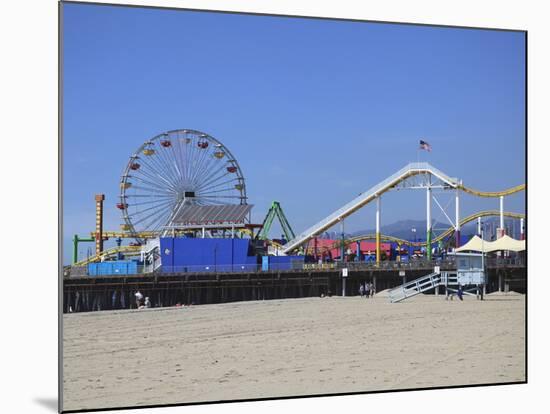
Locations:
column 118, row 267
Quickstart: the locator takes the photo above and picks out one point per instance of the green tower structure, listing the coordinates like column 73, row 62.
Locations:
column 275, row 211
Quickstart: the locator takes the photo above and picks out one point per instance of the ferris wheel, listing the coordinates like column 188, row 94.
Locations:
column 176, row 169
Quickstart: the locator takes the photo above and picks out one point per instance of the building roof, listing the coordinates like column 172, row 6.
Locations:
column 193, row 214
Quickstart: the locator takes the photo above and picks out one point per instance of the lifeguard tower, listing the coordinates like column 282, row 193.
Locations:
column 470, row 275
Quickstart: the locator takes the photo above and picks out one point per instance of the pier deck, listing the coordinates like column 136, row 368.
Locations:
column 90, row 293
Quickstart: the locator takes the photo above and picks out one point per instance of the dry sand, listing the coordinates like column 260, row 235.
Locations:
column 289, row 347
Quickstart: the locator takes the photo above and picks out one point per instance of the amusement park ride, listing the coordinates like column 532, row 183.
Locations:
column 275, row 211
column 186, row 183
column 419, row 175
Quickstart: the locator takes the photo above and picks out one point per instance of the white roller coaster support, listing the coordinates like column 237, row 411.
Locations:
column 479, row 226
column 343, row 247
column 457, row 218
column 457, row 212
column 411, row 169
column 429, row 221
column 521, row 229
column 502, row 212
column 378, row 206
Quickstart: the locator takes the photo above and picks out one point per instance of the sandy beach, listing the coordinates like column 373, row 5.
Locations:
column 289, row 347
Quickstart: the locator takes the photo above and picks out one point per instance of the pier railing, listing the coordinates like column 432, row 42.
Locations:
column 419, row 264
column 505, row 262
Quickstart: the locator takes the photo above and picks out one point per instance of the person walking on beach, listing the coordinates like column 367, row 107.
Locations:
column 147, row 302
column 459, row 292
column 113, row 300
column 371, row 289
column 139, row 298
column 367, row 291
column 361, row 290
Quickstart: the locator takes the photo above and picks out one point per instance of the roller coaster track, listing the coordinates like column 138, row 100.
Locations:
column 106, row 254
column 128, row 235
column 507, row 192
column 442, row 236
column 410, row 170
column 149, row 234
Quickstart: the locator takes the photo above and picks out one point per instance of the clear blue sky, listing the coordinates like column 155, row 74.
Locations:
column 315, row 111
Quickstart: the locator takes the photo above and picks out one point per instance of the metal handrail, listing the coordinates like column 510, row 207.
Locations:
column 421, row 264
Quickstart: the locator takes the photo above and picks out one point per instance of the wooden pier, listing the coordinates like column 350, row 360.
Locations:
column 93, row 293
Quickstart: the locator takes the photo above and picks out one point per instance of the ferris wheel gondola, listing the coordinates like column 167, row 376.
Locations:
column 173, row 170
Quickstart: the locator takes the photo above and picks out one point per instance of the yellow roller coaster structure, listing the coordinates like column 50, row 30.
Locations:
column 506, row 192
column 110, row 253
column 128, row 235
column 399, row 241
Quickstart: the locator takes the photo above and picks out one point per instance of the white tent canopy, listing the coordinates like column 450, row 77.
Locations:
column 474, row 244
column 507, row 243
column 504, row 243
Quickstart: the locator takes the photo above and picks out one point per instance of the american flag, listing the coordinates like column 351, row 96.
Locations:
column 424, row 145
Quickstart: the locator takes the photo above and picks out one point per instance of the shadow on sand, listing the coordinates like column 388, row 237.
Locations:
column 49, row 403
